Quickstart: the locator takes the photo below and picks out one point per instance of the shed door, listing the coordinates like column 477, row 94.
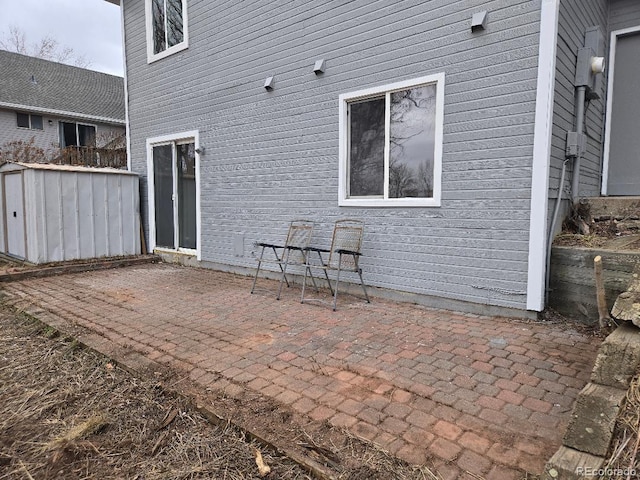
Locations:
column 14, row 213
column 624, row 135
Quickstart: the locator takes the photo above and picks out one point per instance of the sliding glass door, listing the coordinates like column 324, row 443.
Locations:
column 174, row 187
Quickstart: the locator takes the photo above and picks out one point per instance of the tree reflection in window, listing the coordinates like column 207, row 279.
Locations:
column 167, row 18
column 174, row 22
column 410, row 144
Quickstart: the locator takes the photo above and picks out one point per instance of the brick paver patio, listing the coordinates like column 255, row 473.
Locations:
column 489, row 396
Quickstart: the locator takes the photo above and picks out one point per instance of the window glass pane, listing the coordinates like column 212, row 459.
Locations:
column 36, row 122
column 157, row 14
column 411, row 142
column 187, row 195
column 163, row 192
column 86, row 135
column 68, row 137
column 174, row 22
column 366, row 148
column 23, row 120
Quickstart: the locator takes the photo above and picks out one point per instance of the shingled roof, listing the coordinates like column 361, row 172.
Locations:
column 38, row 85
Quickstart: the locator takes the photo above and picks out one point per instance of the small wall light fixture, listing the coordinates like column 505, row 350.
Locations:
column 318, row 67
column 200, row 150
column 268, row 83
column 479, row 21
column 50, row 122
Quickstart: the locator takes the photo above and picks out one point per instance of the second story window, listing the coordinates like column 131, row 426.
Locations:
column 166, row 28
column 26, row 120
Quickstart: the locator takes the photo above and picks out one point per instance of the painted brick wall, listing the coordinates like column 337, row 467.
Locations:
column 273, row 156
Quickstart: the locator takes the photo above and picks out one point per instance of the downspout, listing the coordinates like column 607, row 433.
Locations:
column 574, row 151
column 554, row 221
column 587, row 67
column 581, row 92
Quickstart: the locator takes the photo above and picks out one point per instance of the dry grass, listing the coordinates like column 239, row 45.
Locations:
column 625, row 457
column 378, row 464
column 68, row 413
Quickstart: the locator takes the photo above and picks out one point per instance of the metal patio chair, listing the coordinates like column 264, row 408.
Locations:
column 344, row 255
column 292, row 252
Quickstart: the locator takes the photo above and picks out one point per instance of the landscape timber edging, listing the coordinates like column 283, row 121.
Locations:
column 76, row 267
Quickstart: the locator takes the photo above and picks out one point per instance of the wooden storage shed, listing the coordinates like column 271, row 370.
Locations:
column 53, row 213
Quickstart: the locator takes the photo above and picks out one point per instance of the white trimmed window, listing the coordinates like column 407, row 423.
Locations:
column 391, row 144
column 30, row 121
column 166, row 22
column 77, row 135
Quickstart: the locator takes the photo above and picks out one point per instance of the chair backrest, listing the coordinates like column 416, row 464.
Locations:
column 299, row 235
column 347, row 235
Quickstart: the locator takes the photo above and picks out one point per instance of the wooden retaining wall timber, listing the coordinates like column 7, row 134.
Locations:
column 572, row 282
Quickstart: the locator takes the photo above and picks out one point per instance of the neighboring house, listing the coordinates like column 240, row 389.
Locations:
column 444, row 129
column 53, row 105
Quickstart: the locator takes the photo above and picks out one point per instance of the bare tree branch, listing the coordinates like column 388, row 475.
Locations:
column 47, row 48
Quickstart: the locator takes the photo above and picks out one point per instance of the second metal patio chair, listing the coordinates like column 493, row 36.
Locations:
column 344, row 256
column 292, row 252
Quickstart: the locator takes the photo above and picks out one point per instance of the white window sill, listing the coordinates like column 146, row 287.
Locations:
column 154, row 57
column 391, row 202
column 180, row 251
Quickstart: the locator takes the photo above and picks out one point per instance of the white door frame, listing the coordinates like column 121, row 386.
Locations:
column 607, row 125
column 166, row 139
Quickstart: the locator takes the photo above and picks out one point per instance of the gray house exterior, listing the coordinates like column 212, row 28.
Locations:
column 246, row 115
column 54, row 105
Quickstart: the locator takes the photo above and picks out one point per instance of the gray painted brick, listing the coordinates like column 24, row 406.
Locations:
column 272, row 157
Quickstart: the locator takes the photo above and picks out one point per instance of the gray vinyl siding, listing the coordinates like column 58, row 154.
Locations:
column 273, row 156
column 9, row 131
column 624, row 14
column 575, row 17
column 48, row 139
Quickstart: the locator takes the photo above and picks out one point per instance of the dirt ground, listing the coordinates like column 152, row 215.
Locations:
column 69, row 413
column 580, row 229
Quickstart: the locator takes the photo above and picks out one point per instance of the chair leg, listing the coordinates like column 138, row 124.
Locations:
column 326, row 275
column 255, row 278
column 285, row 256
column 364, row 289
column 279, row 260
column 335, row 295
column 313, row 280
column 304, row 280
